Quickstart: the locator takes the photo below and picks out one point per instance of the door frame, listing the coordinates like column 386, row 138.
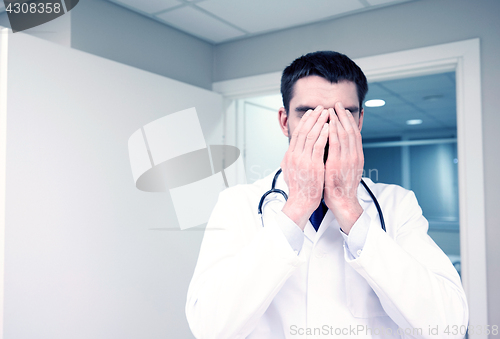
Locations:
column 463, row 57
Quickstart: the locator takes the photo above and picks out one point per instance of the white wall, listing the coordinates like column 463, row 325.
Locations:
column 405, row 26
column 82, row 256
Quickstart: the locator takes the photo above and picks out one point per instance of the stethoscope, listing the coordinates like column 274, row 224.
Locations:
column 277, row 190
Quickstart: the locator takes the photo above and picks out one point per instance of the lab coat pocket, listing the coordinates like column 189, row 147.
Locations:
column 361, row 299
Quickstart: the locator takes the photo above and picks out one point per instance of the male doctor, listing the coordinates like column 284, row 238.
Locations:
column 320, row 265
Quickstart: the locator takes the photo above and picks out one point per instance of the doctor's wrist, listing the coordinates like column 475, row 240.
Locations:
column 347, row 216
column 298, row 212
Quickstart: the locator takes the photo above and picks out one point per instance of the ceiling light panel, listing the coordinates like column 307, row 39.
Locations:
column 200, row 24
column 264, row 15
column 392, row 102
column 149, row 6
column 414, row 122
column 375, row 103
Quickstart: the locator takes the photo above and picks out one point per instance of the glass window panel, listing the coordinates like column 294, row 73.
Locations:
column 434, row 179
column 383, row 164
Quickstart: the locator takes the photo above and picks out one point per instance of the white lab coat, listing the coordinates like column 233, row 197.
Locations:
column 250, row 283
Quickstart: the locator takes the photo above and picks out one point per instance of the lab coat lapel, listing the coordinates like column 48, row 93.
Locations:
column 365, row 200
column 311, row 233
column 330, row 221
column 362, row 193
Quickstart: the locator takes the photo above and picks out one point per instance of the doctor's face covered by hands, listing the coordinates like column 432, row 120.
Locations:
column 323, row 114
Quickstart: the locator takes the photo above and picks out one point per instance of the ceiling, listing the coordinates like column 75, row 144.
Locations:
column 431, row 98
column 218, row 21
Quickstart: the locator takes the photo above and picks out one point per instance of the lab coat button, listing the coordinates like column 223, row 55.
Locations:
column 320, row 254
column 359, row 252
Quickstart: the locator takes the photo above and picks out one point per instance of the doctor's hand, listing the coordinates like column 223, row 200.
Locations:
column 303, row 167
column 344, row 167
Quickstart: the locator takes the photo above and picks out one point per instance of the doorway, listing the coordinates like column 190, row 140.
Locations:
column 409, row 140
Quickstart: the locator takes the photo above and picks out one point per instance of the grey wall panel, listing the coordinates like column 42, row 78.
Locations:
column 4, row 20
column 108, row 30
column 57, row 30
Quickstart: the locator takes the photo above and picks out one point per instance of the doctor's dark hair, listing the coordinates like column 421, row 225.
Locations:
column 332, row 66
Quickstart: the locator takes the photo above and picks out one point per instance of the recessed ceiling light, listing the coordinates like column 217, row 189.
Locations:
column 375, row 103
column 414, row 122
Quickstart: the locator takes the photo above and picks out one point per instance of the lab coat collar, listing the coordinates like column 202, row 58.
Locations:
column 362, row 193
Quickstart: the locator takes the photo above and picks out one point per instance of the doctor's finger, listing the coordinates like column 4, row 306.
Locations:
column 343, row 137
column 295, row 133
column 333, row 139
column 304, row 127
column 319, row 147
column 358, row 142
column 314, row 133
column 346, row 118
